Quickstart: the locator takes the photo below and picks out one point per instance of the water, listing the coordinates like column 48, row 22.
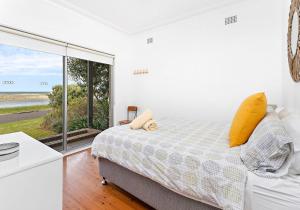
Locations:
column 8, row 100
column 4, row 104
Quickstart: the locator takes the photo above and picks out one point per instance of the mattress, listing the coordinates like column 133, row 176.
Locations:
column 272, row 194
column 188, row 157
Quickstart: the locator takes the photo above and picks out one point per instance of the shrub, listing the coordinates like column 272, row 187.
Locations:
column 101, row 116
column 77, row 98
column 77, row 111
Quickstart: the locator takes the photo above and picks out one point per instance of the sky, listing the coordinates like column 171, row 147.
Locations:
column 30, row 71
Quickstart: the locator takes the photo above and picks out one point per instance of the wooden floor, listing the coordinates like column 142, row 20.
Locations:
column 83, row 189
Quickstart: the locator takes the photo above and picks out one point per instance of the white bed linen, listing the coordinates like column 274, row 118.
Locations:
column 188, row 157
column 260, row 193
column 272, row 194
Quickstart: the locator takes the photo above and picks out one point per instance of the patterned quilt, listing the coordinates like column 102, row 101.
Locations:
column 188, row 157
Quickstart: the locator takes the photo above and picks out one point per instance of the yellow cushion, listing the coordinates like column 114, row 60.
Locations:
column 250, row 113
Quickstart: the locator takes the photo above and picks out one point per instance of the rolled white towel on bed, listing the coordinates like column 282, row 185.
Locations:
column 150, row 125
column 138, row 122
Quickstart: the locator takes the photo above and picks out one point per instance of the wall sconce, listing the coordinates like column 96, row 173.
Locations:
column 140, row 71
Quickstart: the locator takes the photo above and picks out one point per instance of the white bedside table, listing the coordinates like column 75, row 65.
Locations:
column 33, row 180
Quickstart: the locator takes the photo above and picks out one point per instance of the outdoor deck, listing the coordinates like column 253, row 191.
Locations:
column 75, row 139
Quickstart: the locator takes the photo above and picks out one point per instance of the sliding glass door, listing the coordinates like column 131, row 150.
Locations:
column 55, row 92
column 31, row 94
column 88, row 101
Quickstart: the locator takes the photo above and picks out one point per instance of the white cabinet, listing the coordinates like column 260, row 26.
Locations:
column 33, row 180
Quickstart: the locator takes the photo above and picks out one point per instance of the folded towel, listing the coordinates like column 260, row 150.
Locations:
column 138, row 122
column 150, row 125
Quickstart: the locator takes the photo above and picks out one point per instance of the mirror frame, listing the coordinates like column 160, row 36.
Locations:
column 294, row 59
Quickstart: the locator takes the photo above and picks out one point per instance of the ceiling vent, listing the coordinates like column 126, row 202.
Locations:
column 150, row 40
column 231, row 20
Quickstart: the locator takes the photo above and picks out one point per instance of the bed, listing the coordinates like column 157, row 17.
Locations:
column 186, row 165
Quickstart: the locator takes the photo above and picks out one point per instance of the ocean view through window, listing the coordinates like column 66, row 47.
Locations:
column 31, row 97
column 27, row 79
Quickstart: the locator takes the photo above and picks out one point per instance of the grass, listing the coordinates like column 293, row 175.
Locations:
column 13, row 110
column 31, row 127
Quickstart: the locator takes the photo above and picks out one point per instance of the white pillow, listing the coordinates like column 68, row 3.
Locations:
column 268, row 150
column 295, row 165
column 291, row 122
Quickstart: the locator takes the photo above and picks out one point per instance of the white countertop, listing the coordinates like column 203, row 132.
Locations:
column 32, row 154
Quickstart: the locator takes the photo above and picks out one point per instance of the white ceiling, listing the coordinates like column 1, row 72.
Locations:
column 133, row 16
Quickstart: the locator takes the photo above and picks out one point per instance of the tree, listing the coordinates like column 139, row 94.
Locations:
column 77, row 97
column 77, row 69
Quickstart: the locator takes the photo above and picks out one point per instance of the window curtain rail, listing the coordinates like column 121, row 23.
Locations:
column 25, row 34
column 20, row 38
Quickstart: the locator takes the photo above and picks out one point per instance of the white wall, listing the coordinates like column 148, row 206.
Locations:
column 198, row 67
column 291, row 90
column 202, row 69
column 48, row 19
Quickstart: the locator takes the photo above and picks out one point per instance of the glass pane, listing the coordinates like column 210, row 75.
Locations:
column 77, row 103
column 101, row 96
column 88, row 101
column 31, row 94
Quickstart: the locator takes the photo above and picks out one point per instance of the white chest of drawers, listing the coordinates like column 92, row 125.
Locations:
column 33, row 180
